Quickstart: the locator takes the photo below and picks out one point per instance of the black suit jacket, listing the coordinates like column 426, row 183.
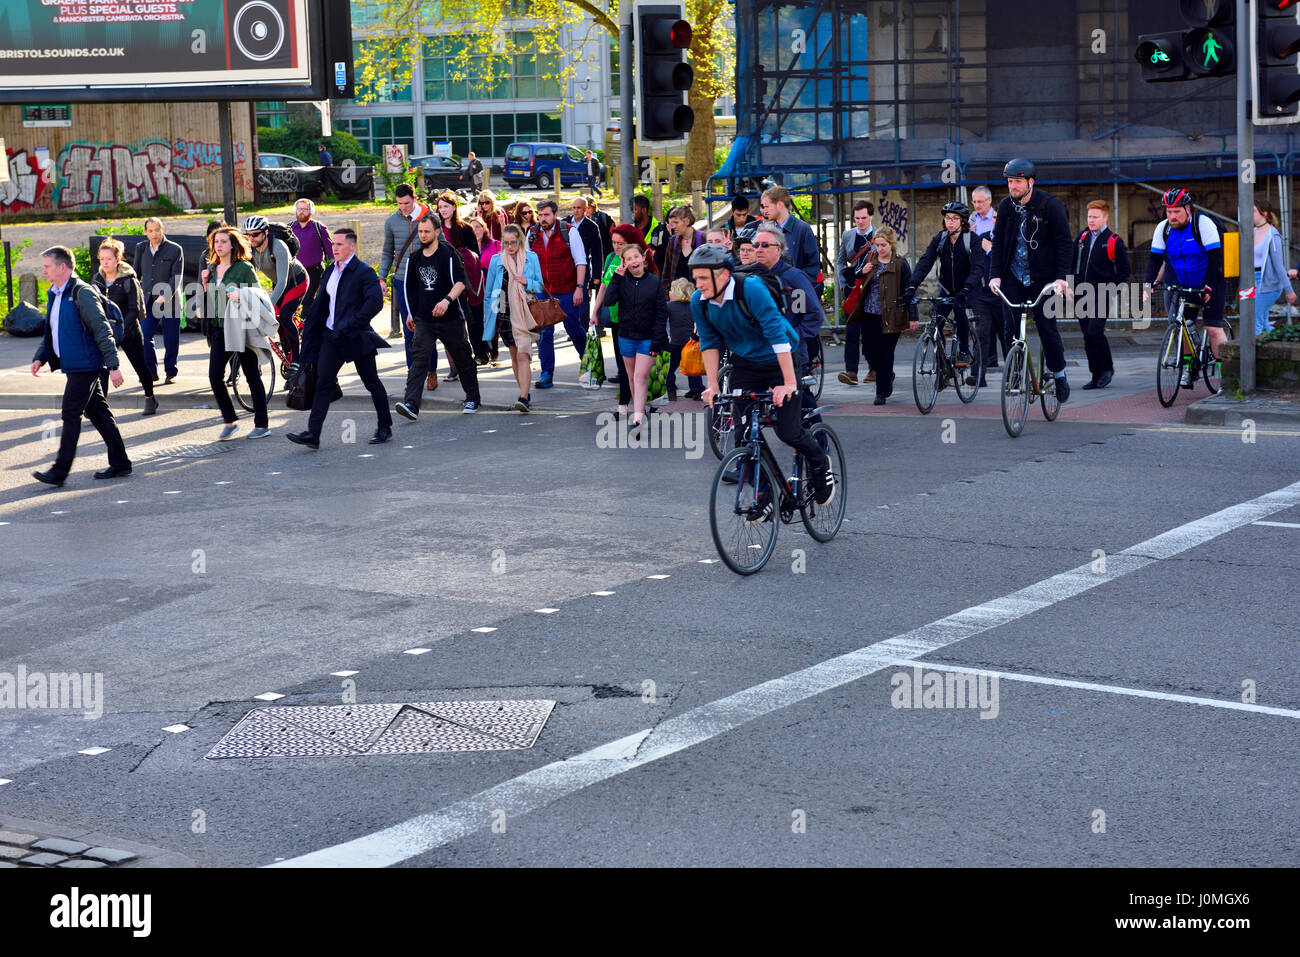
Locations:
column 160, row 274
column 1047, row 226
column 359, row 299
column 1095, row 266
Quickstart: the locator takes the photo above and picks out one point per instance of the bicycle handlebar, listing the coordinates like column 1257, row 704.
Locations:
column 1026, row 305
column 1183, row 290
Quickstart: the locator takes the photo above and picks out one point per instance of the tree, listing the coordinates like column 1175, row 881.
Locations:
column 485, row 34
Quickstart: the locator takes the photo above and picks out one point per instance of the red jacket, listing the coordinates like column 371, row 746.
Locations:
column 559, row 272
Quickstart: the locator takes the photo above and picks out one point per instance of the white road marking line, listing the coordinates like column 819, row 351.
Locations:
column 1107, row 689
column 484, row 630
column 223, row 483
column 268, row 696
column 1279, row 524
column 95, row 751
column 177, row 728
column 120, row 501
column 366, row 455
column 344, row 674
column 602, row 594
column 59, row 512
column 707, row 561
column 545, row 611
column 417, row 651
column 551, row 782
column 175, row 492
column 658, row 577
column 4, row 781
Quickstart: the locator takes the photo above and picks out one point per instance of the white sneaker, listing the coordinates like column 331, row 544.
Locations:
column 660, row 402
column 406, row 412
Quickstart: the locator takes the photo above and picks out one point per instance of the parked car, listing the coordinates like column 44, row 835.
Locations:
column 441, row 172
column 540, row 163
column 281, row 161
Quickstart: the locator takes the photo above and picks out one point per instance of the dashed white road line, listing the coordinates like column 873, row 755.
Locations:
column 551, row 782
column 1279, row 524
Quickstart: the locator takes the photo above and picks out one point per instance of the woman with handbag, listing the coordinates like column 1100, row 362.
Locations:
column 514, row 280
column 643, row 323
column 883, row 320
column 118, row 282
column 231, row 294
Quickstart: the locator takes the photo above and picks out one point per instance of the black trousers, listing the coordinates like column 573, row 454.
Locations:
column 82, row 395
column 1048, row 334
column 328, row 364
column 476, row 333
column 314, row 274
column 132, row 345
column 994, row 326
column 218, row 363
column 879, row 347
column 452, row 333
column 961, row 320
column 1096, row 346
column 759, row 377
column 852, row 341
column 624, row 387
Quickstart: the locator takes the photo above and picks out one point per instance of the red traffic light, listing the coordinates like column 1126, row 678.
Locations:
column 679, row 35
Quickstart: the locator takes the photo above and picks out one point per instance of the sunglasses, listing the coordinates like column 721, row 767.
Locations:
column 765, row 245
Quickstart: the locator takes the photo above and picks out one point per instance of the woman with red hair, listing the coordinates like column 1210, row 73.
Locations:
column 620, row 238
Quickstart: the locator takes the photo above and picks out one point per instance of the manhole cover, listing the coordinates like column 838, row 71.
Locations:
column 187, row 451
column 420, row 727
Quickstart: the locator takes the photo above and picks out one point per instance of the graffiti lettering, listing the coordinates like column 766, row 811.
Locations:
column 192, row 154
column 895, row 216
column 24, row 185
column 107, row 175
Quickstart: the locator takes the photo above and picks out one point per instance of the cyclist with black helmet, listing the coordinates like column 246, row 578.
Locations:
column 741, row 317
column 1033, row 247
column 960, row 268
column 273, row 259
column 1187, row 244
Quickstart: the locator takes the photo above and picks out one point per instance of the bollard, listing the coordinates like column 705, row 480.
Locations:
column 28, row 289
column 657, row 199
column 697, row 199
column 559, row 203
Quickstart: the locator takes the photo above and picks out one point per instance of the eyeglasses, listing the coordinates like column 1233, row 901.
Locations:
column 485, row 202
column 766, row 245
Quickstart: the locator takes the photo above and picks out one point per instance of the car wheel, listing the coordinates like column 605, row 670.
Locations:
column 543, row 180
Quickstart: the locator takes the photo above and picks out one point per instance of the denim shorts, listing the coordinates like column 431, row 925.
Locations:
column 628, row 348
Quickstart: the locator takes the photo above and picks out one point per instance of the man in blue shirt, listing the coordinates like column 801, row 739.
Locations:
column 800, row 241
column 761, row 344
column 79, row 341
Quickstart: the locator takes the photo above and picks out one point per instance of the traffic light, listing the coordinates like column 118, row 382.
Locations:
column 1161, row 56
column 1276, row 89
column 662, row 74
column 1204, row 47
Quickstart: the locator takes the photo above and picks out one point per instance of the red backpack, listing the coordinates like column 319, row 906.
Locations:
column 1110, row 243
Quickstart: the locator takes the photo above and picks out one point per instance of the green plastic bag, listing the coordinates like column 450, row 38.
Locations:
column 659, row 376
column 593, row 360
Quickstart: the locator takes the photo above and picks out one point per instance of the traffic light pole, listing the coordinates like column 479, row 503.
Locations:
column 1245, row 197
column 627, row 166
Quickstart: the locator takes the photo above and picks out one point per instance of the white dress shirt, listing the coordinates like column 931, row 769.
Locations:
column 55, row 308
column 332, row 288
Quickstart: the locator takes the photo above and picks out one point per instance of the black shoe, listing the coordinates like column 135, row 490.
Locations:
column 732, row 475
column 522, row 404
column 693, row 395
column 1090, row 384
column 823, row 482
column 304, row 438
column 1105, row 379
column 1062, row 390
column 120, row 471
column 880, row 400
column 150, row 405
column 970, row 380
column 49, row 478
column 984, row 384
column 381, row 436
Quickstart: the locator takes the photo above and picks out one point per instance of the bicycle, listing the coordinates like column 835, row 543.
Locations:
column 934, row 366
column 722, row 424
column 743, row 534
column 1021, row 382
column 815, row 367
column 1183, row 350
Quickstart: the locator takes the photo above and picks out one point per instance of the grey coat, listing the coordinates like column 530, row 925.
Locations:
column 397, row 228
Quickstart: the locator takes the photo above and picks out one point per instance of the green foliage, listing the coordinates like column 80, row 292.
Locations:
column 1281, row 334
column 82, row 256
column 124, row 228
column 390, row 180
column 301, row 137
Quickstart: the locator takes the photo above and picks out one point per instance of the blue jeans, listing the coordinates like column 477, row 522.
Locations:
column 407, row 335
column 573, row 325
column 154, row 317
column 1263, row 300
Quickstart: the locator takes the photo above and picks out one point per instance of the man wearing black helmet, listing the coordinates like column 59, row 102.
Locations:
column 1032, row 247
column 959, row 274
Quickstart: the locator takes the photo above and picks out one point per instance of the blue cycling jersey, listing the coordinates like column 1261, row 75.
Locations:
column 1184, row 254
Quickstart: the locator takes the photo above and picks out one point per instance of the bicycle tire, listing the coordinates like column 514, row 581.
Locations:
column 1047, row 396
column 817, row 369
column 744, row 548
column 1212, row 369
column 242, row 396
column 722, row 428
column 1169, row 365
column 925, row 373
column 823, row 522
column 1015, row 391
column 966, row 392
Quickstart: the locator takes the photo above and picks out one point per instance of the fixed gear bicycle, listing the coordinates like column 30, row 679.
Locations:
column 742, row 517
column 1022, row 382
column 937, row 360
column 1183, row 351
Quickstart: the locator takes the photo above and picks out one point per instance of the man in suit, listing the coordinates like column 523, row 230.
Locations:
column 79, row 340
column 160, row 263
column 338, row 331
column 1100, row 260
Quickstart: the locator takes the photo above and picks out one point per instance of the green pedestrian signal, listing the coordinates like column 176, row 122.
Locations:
column 1210, row 50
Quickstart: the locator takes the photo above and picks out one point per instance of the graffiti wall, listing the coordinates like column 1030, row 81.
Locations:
column 161, row 156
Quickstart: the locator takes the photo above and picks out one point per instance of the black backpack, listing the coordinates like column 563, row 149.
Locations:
column 773, row 283
column 285, row 235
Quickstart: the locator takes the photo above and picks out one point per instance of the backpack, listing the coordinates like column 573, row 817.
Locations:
column 473, row 277
column 774, row 285
column 1111, row 242
column 116, row 321
column 1195, row 223
column 285, row 235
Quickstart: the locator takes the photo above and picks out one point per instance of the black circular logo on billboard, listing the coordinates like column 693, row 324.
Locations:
column 258, row 30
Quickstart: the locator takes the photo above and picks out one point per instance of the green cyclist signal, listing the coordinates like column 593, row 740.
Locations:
column 1159, row 56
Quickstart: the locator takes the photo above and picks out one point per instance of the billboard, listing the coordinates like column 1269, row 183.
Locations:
column 126, row 50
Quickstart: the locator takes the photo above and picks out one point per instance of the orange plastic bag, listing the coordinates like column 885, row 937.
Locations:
column 692, row 362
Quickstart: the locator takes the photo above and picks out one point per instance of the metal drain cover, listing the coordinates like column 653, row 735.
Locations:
column 420, row 727
column 187, row 451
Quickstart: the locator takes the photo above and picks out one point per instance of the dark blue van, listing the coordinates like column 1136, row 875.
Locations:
column 540, row 163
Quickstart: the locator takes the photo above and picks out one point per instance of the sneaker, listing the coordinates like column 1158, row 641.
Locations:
column 522, row 404
column 259, row 433
column 470, row 406
column 451, row 377
column 150, row 406
column 823, row 481
column 848, row 378
column 764, row 515
column 406, row 412
column 1062, row 389
column 545, row 380
column 963, row 359
column 1186, row 380
column 228, row 432
column 659, row 403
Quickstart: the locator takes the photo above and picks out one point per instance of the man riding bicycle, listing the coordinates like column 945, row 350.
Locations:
column 1189, row 248
column 273, row 258
column 743, row 318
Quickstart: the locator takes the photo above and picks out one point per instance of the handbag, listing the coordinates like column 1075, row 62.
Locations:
column 545, row 312
column 692, row 362
column 852, row 304
column 301, row 391
column 593, row 360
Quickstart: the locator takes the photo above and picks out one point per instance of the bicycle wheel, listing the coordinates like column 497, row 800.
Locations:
column 1169, row 365
column 1015, row 391
column 744, row 541
column 817, row 367
column 722, row 424
column 821, row 521
column 1051, row 404
column 265, row 368
column 925, row 373
column 1211, row 368
column 966, row 392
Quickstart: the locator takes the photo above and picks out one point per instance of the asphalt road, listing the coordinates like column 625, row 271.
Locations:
column 1117, row 734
